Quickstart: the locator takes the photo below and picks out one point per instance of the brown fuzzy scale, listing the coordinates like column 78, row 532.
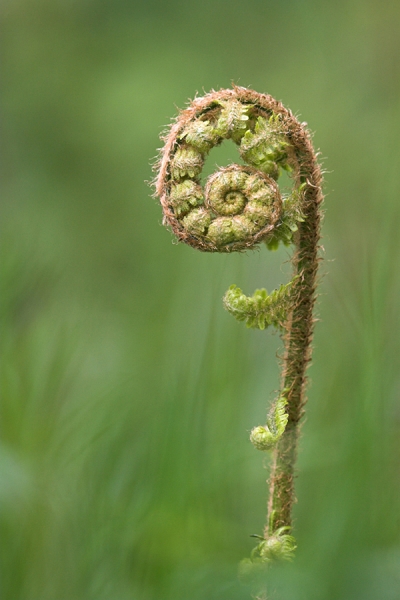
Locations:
column 299, row 326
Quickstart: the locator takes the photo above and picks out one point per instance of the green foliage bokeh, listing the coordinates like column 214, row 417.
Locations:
column 128, row 393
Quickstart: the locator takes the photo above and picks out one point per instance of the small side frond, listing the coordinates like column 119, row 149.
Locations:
column 292, row 215
column 260, row 310
column 279, row 546
column 265, row 437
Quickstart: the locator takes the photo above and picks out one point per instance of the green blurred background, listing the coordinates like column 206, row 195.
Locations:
column 128, row 392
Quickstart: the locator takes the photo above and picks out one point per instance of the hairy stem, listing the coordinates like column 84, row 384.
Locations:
column 297, row 339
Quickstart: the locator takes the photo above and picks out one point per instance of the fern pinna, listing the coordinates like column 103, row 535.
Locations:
column 239, row 207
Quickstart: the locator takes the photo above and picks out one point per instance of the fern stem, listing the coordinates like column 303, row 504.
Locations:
column 297, row 338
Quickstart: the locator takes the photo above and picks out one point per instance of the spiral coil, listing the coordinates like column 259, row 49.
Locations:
column 239, row 206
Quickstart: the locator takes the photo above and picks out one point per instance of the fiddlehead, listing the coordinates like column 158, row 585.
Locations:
column 265, row 437
column 239, row 207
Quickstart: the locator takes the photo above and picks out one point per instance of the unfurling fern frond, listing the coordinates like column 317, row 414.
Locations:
column 261, row 309
column 265, row 437
column 238, row 208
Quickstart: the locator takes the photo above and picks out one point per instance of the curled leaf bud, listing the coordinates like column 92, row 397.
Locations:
column 265, row 438
column 243, row 203
column 279, row 546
